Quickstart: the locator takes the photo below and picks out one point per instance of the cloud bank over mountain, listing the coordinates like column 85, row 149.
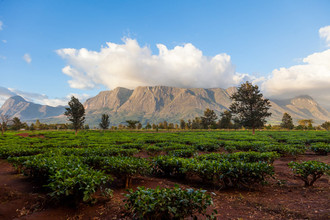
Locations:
column 312, row 77
column 130, row 65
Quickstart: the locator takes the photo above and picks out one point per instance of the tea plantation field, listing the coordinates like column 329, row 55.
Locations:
column 205, row 174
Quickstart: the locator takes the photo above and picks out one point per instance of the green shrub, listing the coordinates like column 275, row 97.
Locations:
column 166, row 203
column 233, row 174
column 182, row 153
column 153, row 150
column 309, row 171
column 320, row 148
column 125, row 167
column 170, row 166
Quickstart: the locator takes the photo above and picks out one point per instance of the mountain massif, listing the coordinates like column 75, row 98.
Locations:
column 158, row 103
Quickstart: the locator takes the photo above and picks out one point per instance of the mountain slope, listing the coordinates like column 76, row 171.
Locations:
column 16, row 106
column 157, row 103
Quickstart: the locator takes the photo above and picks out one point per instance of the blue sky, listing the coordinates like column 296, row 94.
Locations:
column 258, row 36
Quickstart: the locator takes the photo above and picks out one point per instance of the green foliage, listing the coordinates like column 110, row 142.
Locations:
column 66, row 176
column 287, row 121
column 105, row 123
column 17, row 124
column 309, row 171
column 220, row 170
column 125, row 167
column 249, row 106
column 182, row 153
column 75, row 113
column 326, row 125
column 320, row 148
column 248, row 157
column 170, row 166
column 163, row 203
column 209, row 118
column 225, row 120
column 132, row 124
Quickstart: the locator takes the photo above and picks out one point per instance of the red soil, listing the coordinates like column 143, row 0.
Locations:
column 30, row 135
column 283, row 198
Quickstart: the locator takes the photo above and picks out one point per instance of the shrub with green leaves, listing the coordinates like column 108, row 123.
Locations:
column 164, row 203
column 66, row 176
column 170, row 166
column 233, row 174
column 321, row 148
column 182, row 153
column 125, row 167
column 309, row 171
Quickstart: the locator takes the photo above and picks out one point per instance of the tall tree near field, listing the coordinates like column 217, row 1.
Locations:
column 148, row 126
column 182, row 124
column 225, row 120
column 132, row 124
column 5, row 119
column 249, row 106
column 209, row 118
column 287, row 121
column 306, row 123
column 17, row 124
column 326, row 125
column 75, row 113
column 105, row 123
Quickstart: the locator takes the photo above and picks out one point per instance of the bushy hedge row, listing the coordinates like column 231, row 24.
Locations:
column 222, row 171
column 163, row 203
column 65, row 176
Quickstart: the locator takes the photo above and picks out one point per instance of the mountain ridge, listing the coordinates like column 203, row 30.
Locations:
column 158, row 103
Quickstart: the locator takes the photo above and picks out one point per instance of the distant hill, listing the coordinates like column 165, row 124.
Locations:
column 16, row 106
column 158, row 103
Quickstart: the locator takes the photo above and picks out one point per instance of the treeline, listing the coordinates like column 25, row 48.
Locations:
column 16, row 124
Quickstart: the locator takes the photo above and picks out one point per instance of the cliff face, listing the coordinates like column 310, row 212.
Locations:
column 159, row 103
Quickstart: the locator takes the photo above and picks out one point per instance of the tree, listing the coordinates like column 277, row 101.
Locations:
column 209, row 118
column 5, row 119
column 287, row 121
column 132, row 124
column 197, row 123
column 326, row 125
column 17, row 124
column 225, row 120
column 182, row 124
column 75, row 113
column 139, row 126
column 105, row 123
column 249, row 106
column 148, row 126
column 306, row 123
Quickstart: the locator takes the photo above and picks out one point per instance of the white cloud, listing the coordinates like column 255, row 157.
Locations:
column 130, row 65
column 325, row 33
column 312, row 78
column 27, row 58
column 4, row 41
column 1, row 25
